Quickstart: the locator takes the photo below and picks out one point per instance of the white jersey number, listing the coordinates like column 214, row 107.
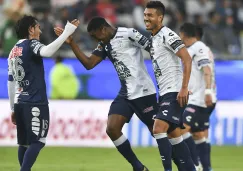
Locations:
column 18, row 70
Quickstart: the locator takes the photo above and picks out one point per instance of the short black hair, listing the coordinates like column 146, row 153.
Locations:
column 159, row 6
column 189, row 29
column 199, row 31
column 97, row 23
column 22, row 26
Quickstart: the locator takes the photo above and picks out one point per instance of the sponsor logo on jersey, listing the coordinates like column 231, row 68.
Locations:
column 16, row 52
column 117, row 37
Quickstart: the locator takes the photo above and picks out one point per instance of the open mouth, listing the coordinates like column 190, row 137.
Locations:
column 147, row 24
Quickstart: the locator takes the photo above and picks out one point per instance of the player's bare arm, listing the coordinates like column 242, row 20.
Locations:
column 88, row 62
column 208, row 92
column 187, row 63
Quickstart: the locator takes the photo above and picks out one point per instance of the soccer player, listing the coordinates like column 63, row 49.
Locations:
column 27, row 89
column 213, row 93
column 137, row 95
column 166, row 51
column 201, row 97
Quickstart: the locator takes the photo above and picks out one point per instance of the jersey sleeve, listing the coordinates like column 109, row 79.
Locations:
column 100, row 51
column 138, row 39
column 201, row 57
column 173, row 41
column 10, row 70
column 35, row 47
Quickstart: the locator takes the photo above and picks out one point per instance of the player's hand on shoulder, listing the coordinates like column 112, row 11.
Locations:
column 13, row 118
column 208, row 100
column 182, row 96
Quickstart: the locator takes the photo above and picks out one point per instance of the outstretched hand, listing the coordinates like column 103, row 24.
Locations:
column 59, row 31
column 75, row 22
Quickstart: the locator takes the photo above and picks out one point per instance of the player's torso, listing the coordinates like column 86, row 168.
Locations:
column 129, row 64
column 167, row 66
column 28, row 72
column 196, row 82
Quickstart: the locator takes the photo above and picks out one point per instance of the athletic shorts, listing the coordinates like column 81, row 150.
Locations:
column 170, row 110
column 208, row 113
column 144, row 107
column 195, row 117
column 32, row 122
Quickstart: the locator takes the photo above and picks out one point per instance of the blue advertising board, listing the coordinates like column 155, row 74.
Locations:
column 102, row 82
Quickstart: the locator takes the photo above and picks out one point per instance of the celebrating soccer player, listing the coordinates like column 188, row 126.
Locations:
column 213, row 92
column 27, row 88
column 196, row 115
column 137, row 95
column 166, row 50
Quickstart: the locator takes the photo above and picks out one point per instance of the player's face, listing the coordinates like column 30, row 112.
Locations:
column 152, row 19
column 35, row 31
column 100, row 35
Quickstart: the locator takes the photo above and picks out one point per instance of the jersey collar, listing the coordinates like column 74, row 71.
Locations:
column 157, row 32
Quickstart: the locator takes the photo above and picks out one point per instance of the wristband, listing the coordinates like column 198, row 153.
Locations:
column 208, row 91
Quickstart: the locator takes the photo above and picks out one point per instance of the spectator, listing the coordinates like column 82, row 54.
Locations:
column 214, row 36
column 7, row 34
column 107, row 9
column 64, row 83
column 233, row 41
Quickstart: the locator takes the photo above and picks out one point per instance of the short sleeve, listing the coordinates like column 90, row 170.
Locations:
column 138, row 39
column 173, row 41
column 201, row 57
column 35, row 47
column 100, row 51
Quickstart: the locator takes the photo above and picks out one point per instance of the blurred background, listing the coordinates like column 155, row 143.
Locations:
column 82, row 122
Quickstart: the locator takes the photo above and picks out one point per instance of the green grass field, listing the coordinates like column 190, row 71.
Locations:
column 108, row 159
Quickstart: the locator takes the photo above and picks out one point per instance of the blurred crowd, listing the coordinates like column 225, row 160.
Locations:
column 222, row 20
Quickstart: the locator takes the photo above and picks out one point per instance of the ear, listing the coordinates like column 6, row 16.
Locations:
column 161, row 18
column 31, row 30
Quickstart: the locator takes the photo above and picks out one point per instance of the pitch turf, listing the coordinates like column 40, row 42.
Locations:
column 108, row 159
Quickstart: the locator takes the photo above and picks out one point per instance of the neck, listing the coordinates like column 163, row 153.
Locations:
column 112, row 32
column 32, row 37
column 190, row 41
column 156, row 30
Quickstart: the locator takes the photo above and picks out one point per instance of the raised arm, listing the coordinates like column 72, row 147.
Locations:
column 88, row 62
column 47, row 51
